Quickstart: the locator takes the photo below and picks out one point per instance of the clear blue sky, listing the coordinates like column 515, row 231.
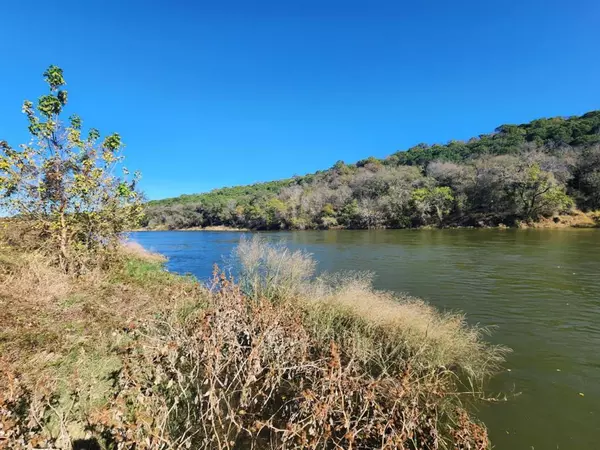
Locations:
column 209, row 94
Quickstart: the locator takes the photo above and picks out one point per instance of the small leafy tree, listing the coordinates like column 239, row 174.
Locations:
column 537, row 193
column 65, row 186
column 432, row 203
column 350, row 215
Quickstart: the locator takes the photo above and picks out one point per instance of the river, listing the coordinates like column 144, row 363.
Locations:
column 540, row 289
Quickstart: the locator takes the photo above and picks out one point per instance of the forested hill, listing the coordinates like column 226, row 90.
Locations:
column 517, row 173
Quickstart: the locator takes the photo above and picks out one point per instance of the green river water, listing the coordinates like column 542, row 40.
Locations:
column 540, row 289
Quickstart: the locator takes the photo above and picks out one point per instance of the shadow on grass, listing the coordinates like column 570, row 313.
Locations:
column 86, row 444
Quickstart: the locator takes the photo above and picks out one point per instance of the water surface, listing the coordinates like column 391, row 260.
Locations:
column 539, row 288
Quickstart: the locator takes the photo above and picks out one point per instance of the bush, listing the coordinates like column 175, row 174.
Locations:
column 272, row 271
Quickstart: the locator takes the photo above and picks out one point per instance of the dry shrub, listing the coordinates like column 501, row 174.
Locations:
column 272, row 270
column 249, row 373
column 21, row 422
column 218, row 372
column 140, row 358
column 325, row 363
column 22, row 234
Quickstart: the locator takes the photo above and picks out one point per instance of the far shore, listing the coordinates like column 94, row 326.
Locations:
column 210, row 228
column 575, row 220
column 538, row 225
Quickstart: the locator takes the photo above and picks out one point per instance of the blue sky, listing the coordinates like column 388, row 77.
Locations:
column 210, row 94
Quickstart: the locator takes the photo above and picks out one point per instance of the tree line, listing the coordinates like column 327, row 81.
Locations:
column 517, row 173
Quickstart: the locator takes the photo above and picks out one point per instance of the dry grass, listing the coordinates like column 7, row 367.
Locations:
column 426, row 338
column 346, row 303
column 133, row 250
column 283, row 360
column 60, row 335
column 135, row 357
column 272, row 270
column 250, row 373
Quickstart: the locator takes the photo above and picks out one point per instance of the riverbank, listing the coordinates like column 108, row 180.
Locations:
column 211, row 228
column 575, row 219
column 112, row 357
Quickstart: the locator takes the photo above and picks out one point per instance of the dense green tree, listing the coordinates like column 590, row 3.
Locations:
column 586, row 180
column 432, row 205
column 537, row 194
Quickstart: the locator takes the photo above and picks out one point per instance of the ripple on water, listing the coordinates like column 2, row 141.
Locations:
column 540, row 287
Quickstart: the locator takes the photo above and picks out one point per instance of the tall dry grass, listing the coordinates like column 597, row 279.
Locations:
column 346, row 304
column 285, row 360
column 135, row 357
column 425, row 338
column 133, row 250
column 272, row 270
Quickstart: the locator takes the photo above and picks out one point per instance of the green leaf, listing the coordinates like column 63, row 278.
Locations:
column 75, row 122
column 93, row 135
column 49, row 105
column 112, row 142
column 62, row 97
column 54, row 77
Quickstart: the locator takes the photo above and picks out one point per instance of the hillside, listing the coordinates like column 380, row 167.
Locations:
column 517, row 173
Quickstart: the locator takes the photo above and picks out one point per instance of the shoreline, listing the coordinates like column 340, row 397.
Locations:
column 250, row 230
column 211, row 228
column 576, row 221
column 109, row 322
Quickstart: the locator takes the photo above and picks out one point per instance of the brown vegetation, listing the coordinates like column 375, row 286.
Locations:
column 59, row 337
column 135, row 357
column 575, row 219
